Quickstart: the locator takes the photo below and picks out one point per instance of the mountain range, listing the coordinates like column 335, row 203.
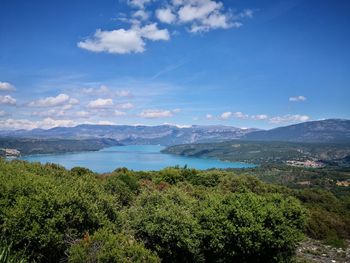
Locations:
column 331, row 130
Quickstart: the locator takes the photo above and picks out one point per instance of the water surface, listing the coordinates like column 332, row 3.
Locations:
column 135, row 157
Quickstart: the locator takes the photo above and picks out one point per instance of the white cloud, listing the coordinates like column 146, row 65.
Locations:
column 15, row 124
column 138, row 3
column 165, row 15
column 82, row 114
column 289, row 119
column 12, row 124
column 154, row 113
column 100, row 103
column 259, row 117
column 7, row 100
column 196, row 15
column 104, row 90
column 226, row 115
column 297, row 98
column 5, row 86
column 4, row 113
column 206, row 15
column 59, row 100
column 121, row 41
column 209, row 116
column 177, row 110
column 141, row 14
column 240, row 115
column 118, row 41
column 49, row 113
column 125, row 106
column 123, row 93
column 119, row 113
column 197, row 10
column 152, row 32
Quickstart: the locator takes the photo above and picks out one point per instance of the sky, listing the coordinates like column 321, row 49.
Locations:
column 245, row 63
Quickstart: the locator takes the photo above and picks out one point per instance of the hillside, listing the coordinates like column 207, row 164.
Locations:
column 41, row 146
column 330, row 131
column 260, row 152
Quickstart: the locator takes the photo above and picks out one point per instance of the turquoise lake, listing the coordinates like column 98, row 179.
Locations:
column 135, row 157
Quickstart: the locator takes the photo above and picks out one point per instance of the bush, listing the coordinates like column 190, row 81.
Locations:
column 242, row 227
column 106, row 246
column 39, row 213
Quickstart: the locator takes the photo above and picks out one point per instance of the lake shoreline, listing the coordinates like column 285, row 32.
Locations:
column 134, row 157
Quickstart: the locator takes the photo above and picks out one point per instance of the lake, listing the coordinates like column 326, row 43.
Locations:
column 135, row 157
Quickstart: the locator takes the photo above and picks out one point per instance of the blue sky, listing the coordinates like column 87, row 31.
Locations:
column 243, row 63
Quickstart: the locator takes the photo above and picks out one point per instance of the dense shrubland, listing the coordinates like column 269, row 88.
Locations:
column 48, row 214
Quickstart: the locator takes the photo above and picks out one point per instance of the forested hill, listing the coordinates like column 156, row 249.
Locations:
column 261, row 152
column 40, row 146
column 325, row 131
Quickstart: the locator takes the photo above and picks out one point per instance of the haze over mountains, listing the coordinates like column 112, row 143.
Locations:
column 162, row 134
column 332, row 130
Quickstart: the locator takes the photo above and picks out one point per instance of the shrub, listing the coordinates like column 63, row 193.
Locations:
column 106, row 246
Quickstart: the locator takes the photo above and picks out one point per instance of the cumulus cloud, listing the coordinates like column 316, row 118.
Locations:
column 289, row 119
column 201, row 15
column 125, row 106
column 154, row 113
column 49, row 113
column 59, row 100
column 259, row 117
column 15, row 124
column 165, row 15
column 7, row 100
column 105, row 90
column 141, row 14
column 226, row 115
column 195, row 15
column 297, row 98
column 4, row 113
column 5, row 86
column 100, row 103
column 209, row 116
column 124, row 41
column 138, row 3
column 240, row 115
column 123, row 93
column 119, row 113
column 82, row 114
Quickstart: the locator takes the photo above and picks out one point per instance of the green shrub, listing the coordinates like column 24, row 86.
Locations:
column 106, row 246
column 242, row 227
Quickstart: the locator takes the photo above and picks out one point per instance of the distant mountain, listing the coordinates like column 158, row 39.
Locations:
column 330, row 131
column 125, row 134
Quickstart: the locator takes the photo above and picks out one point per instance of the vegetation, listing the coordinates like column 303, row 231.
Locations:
column 42, row 146
column 331, row 154
column 48, row 214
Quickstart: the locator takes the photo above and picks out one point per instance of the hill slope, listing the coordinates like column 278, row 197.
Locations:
column 332, row 130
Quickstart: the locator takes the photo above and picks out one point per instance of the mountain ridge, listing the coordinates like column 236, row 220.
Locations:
column 330, row 130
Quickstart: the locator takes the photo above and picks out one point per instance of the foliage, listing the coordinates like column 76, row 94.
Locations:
column 106, row 246
column 185, row 227
column 51, row 214
column 266, row 152
column 7, row 255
